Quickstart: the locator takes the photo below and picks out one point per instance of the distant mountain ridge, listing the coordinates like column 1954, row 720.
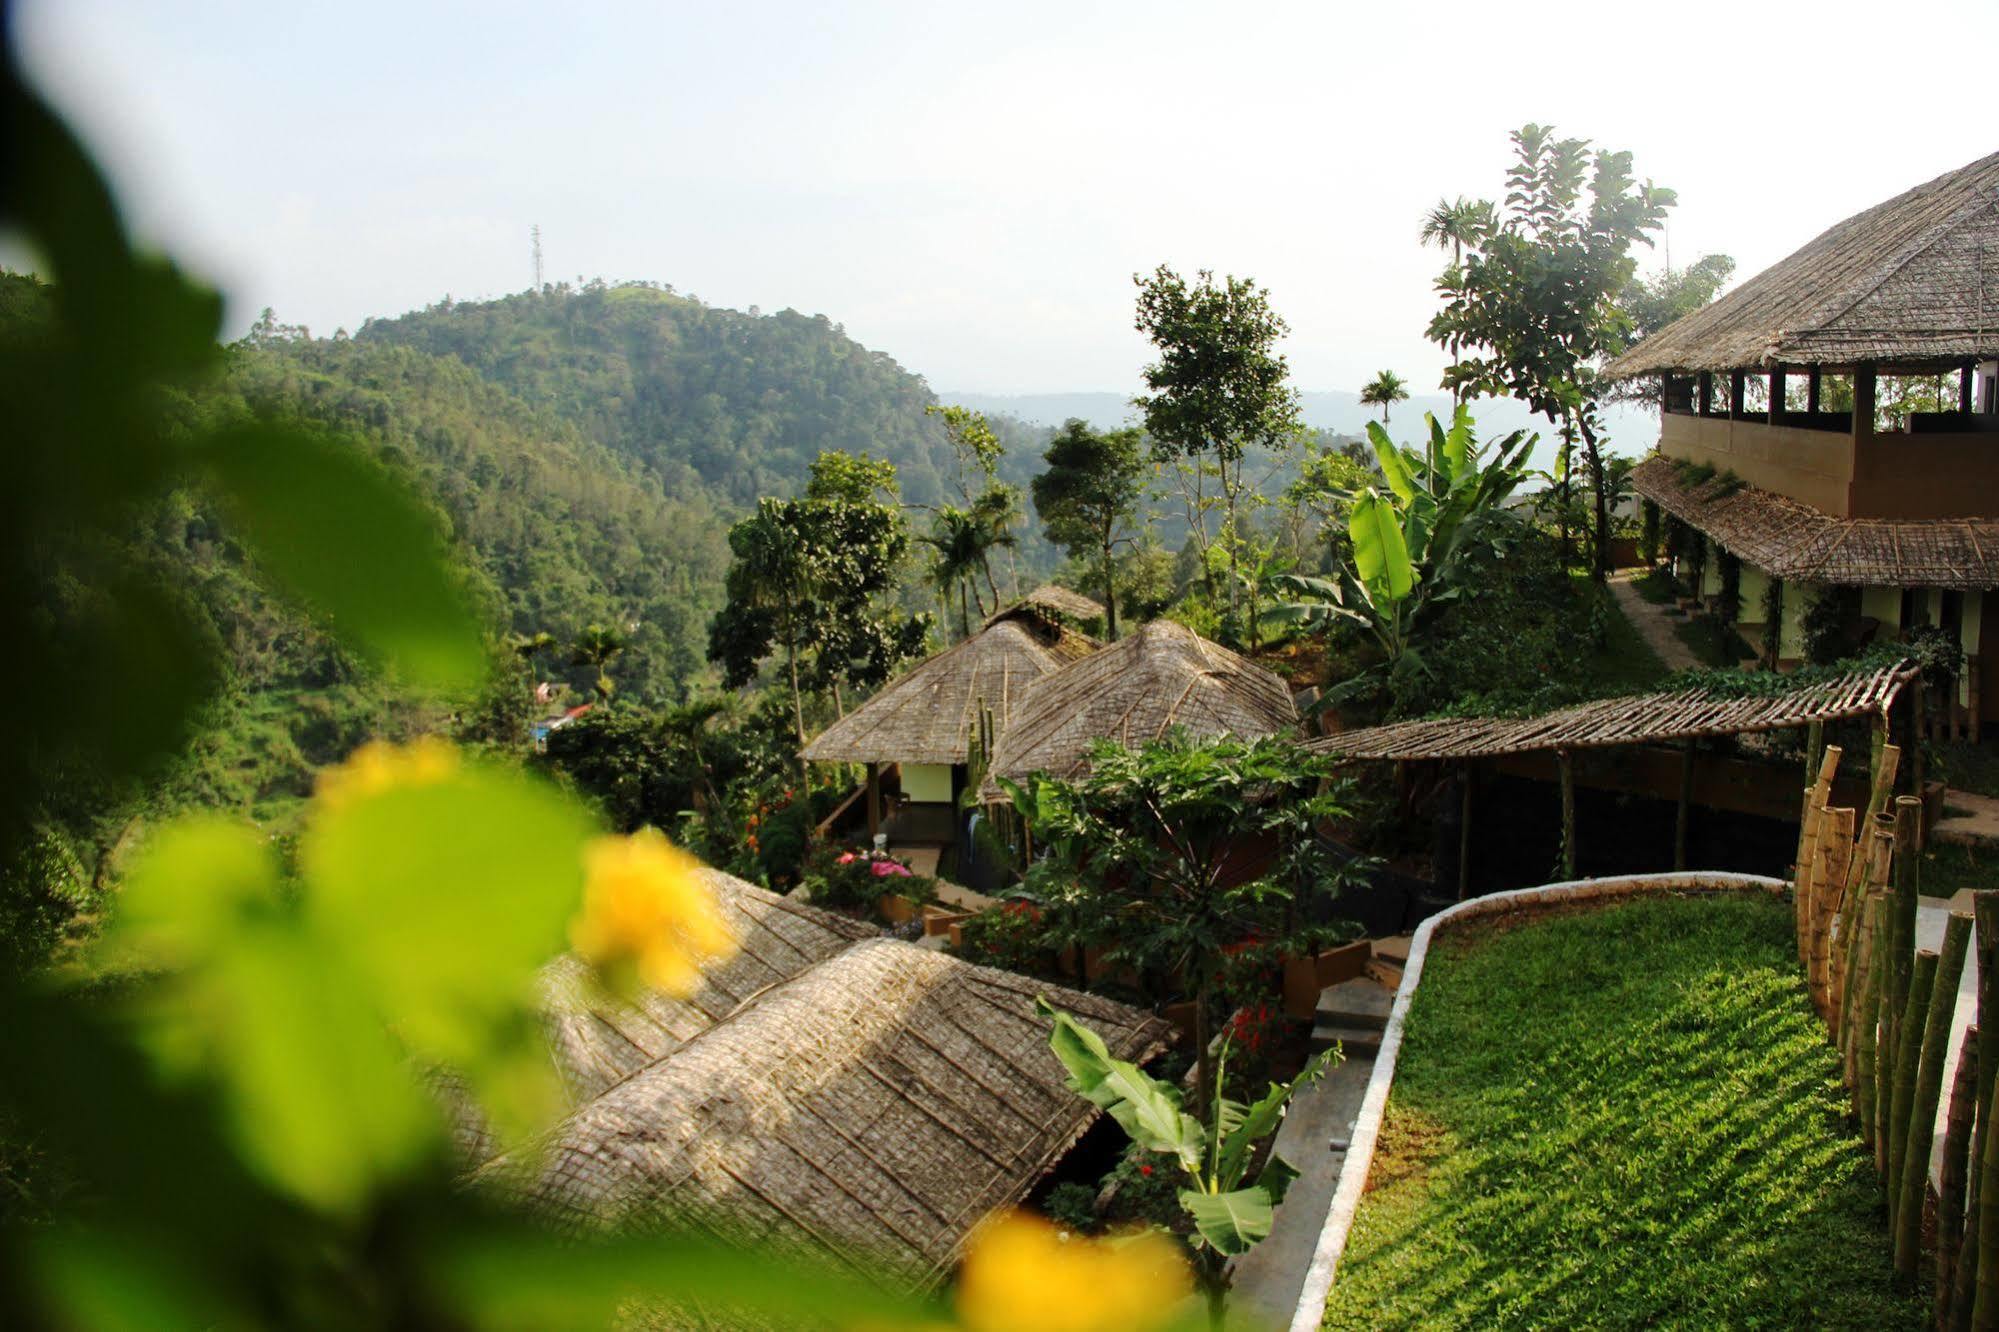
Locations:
column 1632, row 430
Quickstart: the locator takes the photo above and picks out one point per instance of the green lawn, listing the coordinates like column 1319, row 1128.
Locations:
column 1658, row 587
column 1625, row 1118
column 1625, row 663
column 1967, row 766
column 1715, row 643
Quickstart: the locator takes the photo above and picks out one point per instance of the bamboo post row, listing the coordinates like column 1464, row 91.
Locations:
column 1903, row 1086
column 1951, row 1180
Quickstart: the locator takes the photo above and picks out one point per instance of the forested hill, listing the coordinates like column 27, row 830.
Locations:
column 740, row 400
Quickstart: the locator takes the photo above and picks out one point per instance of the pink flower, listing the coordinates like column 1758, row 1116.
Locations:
column 885, row 868
column 846, row 858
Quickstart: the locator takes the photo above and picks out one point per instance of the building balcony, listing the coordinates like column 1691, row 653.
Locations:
column 1817, row 460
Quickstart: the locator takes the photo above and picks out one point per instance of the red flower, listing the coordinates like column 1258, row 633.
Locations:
column 1145, row 1170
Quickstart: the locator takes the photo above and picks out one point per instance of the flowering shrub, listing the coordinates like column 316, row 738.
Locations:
column 1012, row 937
column 844, row 878
column 1023, row 1275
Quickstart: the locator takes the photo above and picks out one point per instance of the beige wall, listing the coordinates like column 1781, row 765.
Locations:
column 927, row 783
column 1754, row 584
column 1883, row 476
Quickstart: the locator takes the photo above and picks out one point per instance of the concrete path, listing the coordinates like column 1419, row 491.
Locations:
column 1269, row 1278
column 1977, row 824
column 1651, row 622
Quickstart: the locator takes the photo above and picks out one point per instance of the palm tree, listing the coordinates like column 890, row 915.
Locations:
column 529, row 647
column 956, row 535
column 1454, row 224
column 1385, row 390
column 595, row 647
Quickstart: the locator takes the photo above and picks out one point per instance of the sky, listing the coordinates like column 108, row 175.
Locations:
column 970, row 188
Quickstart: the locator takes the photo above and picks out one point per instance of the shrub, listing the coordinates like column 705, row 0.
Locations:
column 1071, row 1206
column 1010, row 937
column 843, row 878
column 1648, row 532
column 1826, row 624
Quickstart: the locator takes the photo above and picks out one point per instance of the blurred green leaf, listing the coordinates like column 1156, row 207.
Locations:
column 519, row 1280
column 184, row 890
column 344, row 538
column 91, row 1279
column 321, row 1099
column 450, row 896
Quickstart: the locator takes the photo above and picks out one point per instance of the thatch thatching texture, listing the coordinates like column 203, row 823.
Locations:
column 1634, row 719
column 598, row 1042
column 874, row 1107
column 1049, row 597
column 1794, row 541
column 1163, row 676
column 1910, row 283
column 927, row 715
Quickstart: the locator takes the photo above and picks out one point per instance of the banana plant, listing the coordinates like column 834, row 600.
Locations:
column 1409, row 544
column 1231, row 1213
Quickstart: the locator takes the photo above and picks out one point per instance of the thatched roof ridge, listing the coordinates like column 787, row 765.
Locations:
column 926, row 716
column 1910, row 282
column 598, row 1041
column 1632, row 719
column 1797, row 542
column 1163, row 676
column 1049, row 597
column 874, row 1107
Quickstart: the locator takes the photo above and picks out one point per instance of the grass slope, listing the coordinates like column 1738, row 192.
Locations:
column 1619, row 1119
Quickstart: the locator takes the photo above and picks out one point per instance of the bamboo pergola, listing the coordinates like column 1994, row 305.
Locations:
column 1681, row 716
column 1633, row 719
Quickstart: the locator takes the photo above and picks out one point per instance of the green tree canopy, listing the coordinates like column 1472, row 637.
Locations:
column 1088, row 498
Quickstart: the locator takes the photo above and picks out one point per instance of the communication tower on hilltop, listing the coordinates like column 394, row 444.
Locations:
column 535, row 231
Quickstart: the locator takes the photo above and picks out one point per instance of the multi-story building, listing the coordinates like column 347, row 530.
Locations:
column 1832, row 425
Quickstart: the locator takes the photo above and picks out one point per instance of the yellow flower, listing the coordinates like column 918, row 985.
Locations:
column 646, row 906
column 1023, row 1275
column 379, row 766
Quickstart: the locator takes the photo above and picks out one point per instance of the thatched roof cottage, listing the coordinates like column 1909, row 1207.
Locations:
column 872, row 1102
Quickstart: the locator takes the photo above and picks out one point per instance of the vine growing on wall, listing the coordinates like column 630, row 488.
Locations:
column 1773, row 620
column 1825, row 623
column 1648, row 532
column 1728, row 604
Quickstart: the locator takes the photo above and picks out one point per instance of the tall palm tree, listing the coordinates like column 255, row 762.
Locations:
column 1456, row 223
column 528, row 648
column 595, row 647
column 958, row 538
column 1384, row 391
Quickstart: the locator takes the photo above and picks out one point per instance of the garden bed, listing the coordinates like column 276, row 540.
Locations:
column 1618, row 1117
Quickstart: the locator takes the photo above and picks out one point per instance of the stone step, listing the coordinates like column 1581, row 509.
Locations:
column 1394, row 949
column 1360, row 1002
column 1355, row 1041
column 1387, row 973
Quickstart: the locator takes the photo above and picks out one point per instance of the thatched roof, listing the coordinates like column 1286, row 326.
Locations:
column 1049, row 597
column 598, row 1042
column 927, row 715
column 874, row 1107
column 1163, row 676
column 1909, row 283
column 1634, row 719
column 1794, row 541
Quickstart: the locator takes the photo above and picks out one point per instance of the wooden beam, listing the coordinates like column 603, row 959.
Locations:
column 1464, row 833
column 1812, row 390
column 1738, row 380
column 1706, row 405
column 1863, row 400
column 1967, row 379
column 1776, row 394
column 1682, row 814
column 1568, row 767
column 874, row 801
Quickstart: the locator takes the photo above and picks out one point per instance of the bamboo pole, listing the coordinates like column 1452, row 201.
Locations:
column 1867, row 1022
column 1815, row 797
column 1904, row 899
column 1985, row 927
column 1857, row 931
column 1858, row 994
column 1922, row 1123
column 1956, row 1165
column 1985, row 1300
column 1835, row 854
column 1908, row 1051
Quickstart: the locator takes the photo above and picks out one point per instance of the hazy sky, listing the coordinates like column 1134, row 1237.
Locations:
column 970, row 187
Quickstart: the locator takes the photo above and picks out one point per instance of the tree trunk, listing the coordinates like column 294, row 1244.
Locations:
column 964, row 610
column 1600, row 561
column 1110, row 596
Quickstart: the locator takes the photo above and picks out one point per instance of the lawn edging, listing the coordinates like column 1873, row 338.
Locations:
column 1352, row 1185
